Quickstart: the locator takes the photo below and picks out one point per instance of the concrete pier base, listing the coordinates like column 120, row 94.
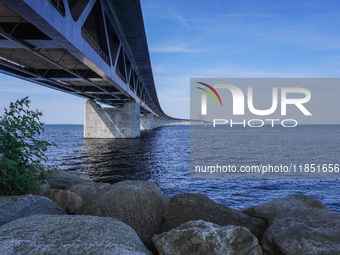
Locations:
column 147, row 122
column 121, row 122
column 158, row 122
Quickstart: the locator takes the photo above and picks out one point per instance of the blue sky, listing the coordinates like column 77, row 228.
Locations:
column 216, row 38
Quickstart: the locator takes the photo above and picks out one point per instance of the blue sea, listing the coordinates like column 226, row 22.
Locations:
column 162, row 156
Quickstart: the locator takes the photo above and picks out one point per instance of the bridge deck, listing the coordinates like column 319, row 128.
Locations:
column 95, row 49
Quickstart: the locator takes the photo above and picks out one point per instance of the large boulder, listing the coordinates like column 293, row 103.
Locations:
column 191, row 206
column 67, row 200
column 303, row 231
column 140, row 204
column 14, row 207
column 206, row 238
column 64, row 179
column 66, row 234
column 267, row 211
column 87, row 190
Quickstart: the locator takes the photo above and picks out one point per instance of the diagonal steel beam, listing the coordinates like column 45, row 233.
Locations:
column 31, row 49
column 67, row 88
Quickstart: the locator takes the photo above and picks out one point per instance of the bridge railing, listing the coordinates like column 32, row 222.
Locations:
column 94, row 45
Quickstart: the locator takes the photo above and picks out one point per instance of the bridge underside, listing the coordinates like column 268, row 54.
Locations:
column 94, row 63
column 95, row 49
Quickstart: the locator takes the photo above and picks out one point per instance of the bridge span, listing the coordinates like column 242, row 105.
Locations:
column 95, row 49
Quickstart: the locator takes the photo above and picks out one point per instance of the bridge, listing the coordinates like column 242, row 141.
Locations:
column 95, row 49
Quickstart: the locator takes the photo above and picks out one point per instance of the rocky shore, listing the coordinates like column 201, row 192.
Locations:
column 71, row 214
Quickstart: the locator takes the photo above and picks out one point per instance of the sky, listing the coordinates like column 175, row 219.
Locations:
column 216, row 38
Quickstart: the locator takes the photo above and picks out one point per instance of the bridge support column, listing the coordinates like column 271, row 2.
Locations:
column 156, row 122
column 147, row 122
column 121, row 122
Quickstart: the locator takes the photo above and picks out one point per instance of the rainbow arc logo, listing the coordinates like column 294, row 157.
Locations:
column 209, row 93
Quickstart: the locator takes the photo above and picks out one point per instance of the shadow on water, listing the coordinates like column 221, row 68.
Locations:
column 143, row 158
column 112, row 160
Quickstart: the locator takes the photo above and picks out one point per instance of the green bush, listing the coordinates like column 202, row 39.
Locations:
column 22, row 155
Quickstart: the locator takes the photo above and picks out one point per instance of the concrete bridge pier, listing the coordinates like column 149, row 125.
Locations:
column 157, row 122
column 161, row 122
column 147, row 121
column 121, row 122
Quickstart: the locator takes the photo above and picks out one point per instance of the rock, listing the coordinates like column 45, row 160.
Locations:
column 303, row 231
column 206, row 238
column 140, row 204
column 267, row 211
column 14, row 207
column 64, row 180
column 66, row 234
column 190, row 206
column 62, row 173
column 67, row 200
column 87, row 190
column 39, row 192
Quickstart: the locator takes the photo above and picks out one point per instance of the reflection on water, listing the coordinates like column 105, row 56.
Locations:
column 156, row 153
column 110, row 160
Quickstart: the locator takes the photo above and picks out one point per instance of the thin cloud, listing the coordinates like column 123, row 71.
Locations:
column 253, row 15
column 174, row 16
column 172, row 49
column 181, row 20
column 247, row 73
column 158, row 69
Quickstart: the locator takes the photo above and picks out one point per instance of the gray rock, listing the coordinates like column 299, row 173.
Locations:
column 66, row 234
column 14, row 207
column 39, row 192
column 67, row 200
column 87, row 190
column 140, row 204
column 206, row 238
column 190, row 206
column 66, row 174
column 64, row 180
column 303, row 231
column 267, row 211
